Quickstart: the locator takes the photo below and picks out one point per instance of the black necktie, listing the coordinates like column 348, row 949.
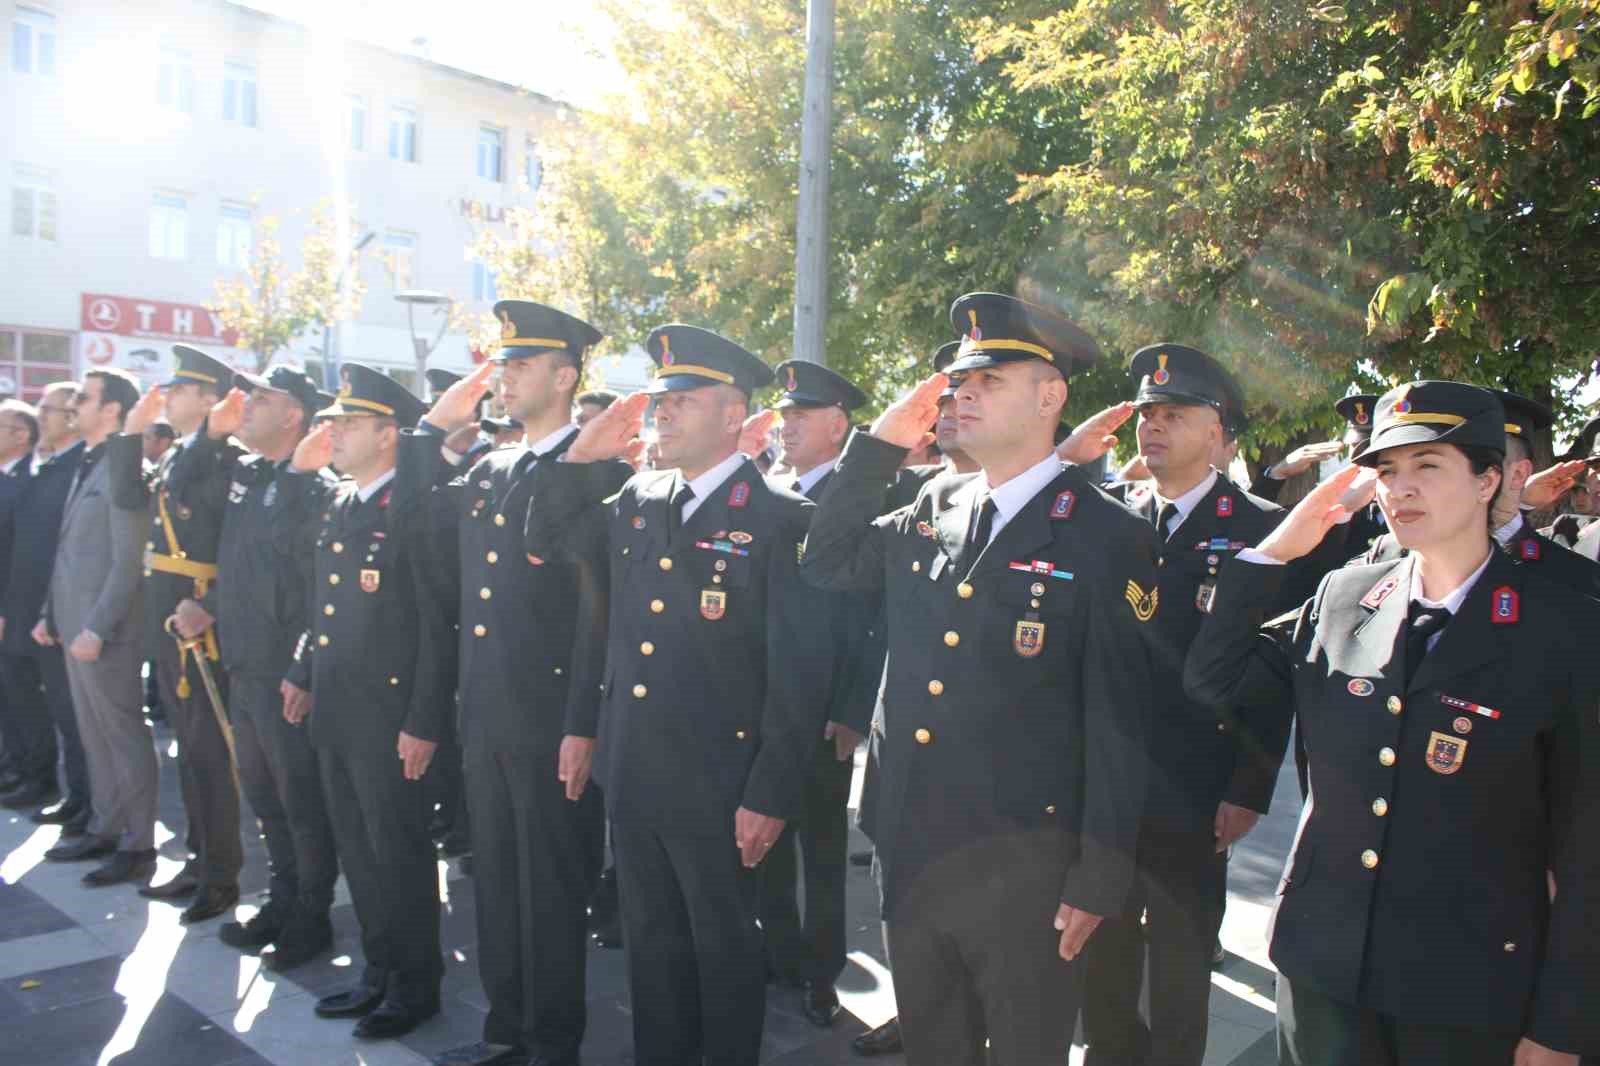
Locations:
column 1167, row 513
column 1421, row 623
column 680, row 500
column 984, row 527
column 797, row 488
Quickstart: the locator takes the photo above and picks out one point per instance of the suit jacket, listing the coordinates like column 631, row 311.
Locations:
column 717, row 669
column 1416, row 885
column 1016, row 692
column 95, row 582
column 36, row 531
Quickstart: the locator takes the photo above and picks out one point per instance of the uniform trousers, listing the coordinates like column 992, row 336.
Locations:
column 1180, row 887
column 812, row 948
column 977, row 956
column 117, row 745
column 380, row 825
column 537, row 858
column 1314, row 1030
column 280, row 776
column 205, row 777
column 695, row 976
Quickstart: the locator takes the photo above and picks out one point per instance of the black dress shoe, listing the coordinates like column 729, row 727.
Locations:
column 183, row 885
column 30, row 794
column 1218, row 956
column 85, row 847
column 123, row 866
column 483, row 1053
column 262, row 929
column 820, row 1003
column 351, row 1003
column 306, row 936
column 884, row 1040
column 861, row 858
column 59, row 813
column 215, row 900
column 393, row 1019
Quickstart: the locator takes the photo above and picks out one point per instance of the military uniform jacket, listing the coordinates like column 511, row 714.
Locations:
column 1201, row 756
column 270, row 517
column 1416, row 885
column 370, row 655
column 531, row 642
column 718, row 659
column 1545, row 557
column 1016, row 692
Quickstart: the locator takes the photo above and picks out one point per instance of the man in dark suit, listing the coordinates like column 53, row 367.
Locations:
column 715, row 689
column 35, row 672
column 30, row 740
column 1009, row 771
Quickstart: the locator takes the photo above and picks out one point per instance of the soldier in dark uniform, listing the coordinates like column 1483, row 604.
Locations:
column 816, row 406
column 366, row 675
column 718, row 669
column 180, row 577
column 269, row 522
column 1365, row 523
column 1009, row 772
column 1415, row 922
column 531, row 649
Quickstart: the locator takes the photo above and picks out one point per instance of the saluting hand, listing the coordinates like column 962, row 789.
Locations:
column 574, row 763
column 753, row 437
column 755, row 834
column 1548, row 486
column 1301, row 532
column 1075, row 927
column 416, row 753
column 315, row 450
column 609, row 433
column 1302, row 458
column 225, row 418
column 458, row 405
column 146, row 411
column 907, row 419
column 1096, row 436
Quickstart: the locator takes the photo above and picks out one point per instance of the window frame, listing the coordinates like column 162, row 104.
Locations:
column 414, row 145
column 241, row 250
column 491, row 138
column 40, row 24
column 232, row 98
column 157, row 206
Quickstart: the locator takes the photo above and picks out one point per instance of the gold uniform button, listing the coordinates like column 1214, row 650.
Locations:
column 558, row 671
column 327, row 608
column 1510, row 946
column 480, row 630
column 647, row 648
column 936, row 687
column 916, row 566
column 1369, row 858
column 1037, row 588
column 394, row 681
column 951, row 639
column 656, row 607
column 1051, row 809
column 738, row 734
column 716, row 579
column 1222, row 727
column 1380, row 806
column 337, row 547
column 333, row 579
column 640, row 692
column 1394, row 705
column 484, row 593
column 665, row 563
column 1033, row 603
column 322, row 641
column 923, row 736
column 492, row 558
column 1386, row 756
column 964, row 590
column 1161, row 561
column 499, row 519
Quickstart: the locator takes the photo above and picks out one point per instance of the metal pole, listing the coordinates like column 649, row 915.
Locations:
column 811, row 212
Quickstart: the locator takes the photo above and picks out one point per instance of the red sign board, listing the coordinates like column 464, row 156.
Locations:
column 132, row 317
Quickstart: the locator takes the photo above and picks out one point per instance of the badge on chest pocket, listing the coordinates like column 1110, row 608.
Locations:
column 370, row 579
column 1028, row 639
column 713, row 604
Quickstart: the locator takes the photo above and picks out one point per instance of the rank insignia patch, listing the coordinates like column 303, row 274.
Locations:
column 1380, row 592
column 1028, row 640
column 1062, row 508
column 713, row 604
column 370, row 580
column 1143, row 603
column 1224, row 506
column 925, row 530
column 1530, row 549
column 739, row 495
column 1507, row 608
column 1445, row 753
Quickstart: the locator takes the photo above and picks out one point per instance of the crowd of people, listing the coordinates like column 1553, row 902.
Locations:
column 554, row 635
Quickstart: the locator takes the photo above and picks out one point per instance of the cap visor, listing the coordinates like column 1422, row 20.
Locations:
column 801, row 399
column 1404, row 435
column 1150, row 396
column 679, row 383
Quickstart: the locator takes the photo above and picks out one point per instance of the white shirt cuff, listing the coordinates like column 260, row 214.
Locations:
column 1261, row 558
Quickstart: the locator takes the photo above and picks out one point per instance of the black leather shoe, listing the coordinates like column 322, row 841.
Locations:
column 59, row 813
column 1218, row 956
column 85, row 847
column 306, row 936
column 884, row 1040
column 820, row 1003
column 123, row 866
column 351, row 1003
column 483, row 1053
column 183, row 885
column 215, row 900
column 30, row 794
column 861, row 858
column 393, row 1019
column 262, row 929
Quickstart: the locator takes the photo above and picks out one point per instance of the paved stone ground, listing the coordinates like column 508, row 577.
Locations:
column 99, row 976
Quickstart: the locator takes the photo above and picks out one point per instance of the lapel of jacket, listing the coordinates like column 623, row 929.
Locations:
column 1479, row 632
column 79, row 490
column 1377, row 646
column 718, row 511
column 953, row 522
column 1032, row 529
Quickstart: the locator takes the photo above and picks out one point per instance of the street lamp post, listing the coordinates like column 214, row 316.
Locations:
column 330, row 359
column 422, row 347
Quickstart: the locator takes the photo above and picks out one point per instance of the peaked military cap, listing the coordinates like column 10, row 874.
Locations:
column 998, row 329
column 439, row 380
column 1524, row 417
column 528, row 329
column 289, row 380
column 372, row 393
column 1446, row 412
column 1177, row 373
column 688, row 357
column 1586, row 445
column 191, row 366
column 1357, row 411
column 807, row 384
column 945, row 354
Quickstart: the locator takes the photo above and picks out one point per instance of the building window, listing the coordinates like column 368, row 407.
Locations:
column 403, row 134
column 400, row 249
column 33, row 41
column 491, row 152
column 239, row 93
column 358, row 122
column 483, row 283
column 33, row 205
column 169, row 226
column 235, row 235
column 176, row 89
column 532, row 165
column 29, row 361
